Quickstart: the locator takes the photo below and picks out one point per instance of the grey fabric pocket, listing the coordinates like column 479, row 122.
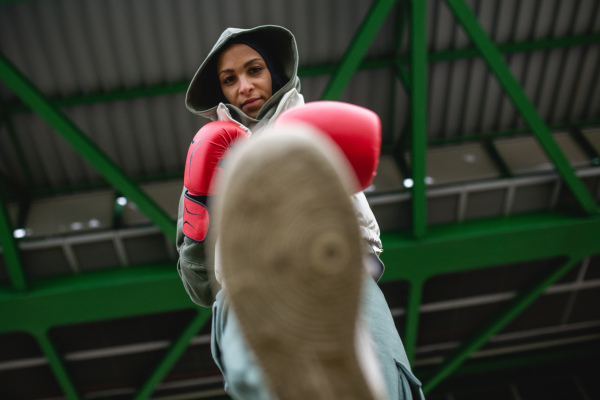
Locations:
column 410, row 386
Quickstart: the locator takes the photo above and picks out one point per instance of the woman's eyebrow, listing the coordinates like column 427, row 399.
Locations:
column 247, row 63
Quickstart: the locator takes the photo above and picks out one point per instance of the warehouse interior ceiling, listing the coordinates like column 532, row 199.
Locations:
column 487, row 191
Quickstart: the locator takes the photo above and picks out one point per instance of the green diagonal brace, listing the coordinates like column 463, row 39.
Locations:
column 513, row 309
column 499, row 67
column 357, row 49
column 58, row 367
column 10, row 250
column 418, row 104
column 84, row 146
column 173, row 354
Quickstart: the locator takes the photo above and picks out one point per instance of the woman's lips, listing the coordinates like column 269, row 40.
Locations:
column 251, row 102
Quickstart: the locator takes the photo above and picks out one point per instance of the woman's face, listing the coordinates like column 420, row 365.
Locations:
column 245, row 78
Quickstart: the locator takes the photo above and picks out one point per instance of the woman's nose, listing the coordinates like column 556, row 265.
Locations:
column 245, row 85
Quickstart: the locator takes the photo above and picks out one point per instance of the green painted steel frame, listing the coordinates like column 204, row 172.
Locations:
column 10, row 250
column 481, row 244
column 512, row 310
column 16, row 81
column 99, row 296
column 357, row 49
column 418, row 112
column 120, row 293
column 175, row 351
column 524, row 106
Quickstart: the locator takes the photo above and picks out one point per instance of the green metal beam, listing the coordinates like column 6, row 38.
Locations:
column 401, row 19
column 84, row 146
column 57, row 366
column 490, row 242
column 118, row 293
column 121, row 293
column 319, row 70
column 500, row 68
column 418, row 106
column 357, row 49
column 513, row 309
column 173, row 354
column 93, row 296
column 10, row 250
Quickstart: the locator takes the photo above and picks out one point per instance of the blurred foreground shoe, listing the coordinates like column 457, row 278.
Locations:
column 291, row 256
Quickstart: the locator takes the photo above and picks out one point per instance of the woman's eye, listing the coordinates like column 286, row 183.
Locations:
column 227, row 80
column 255, row 69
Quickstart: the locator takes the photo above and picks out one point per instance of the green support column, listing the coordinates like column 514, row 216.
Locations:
column 357, row 49
column 84, row 146
column 418, row 104
column 58, row 367
column 10, row 251
column 499, row 67
column 514, row 308
column 173, row 354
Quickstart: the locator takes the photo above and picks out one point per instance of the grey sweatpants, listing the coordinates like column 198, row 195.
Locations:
column 244, row 379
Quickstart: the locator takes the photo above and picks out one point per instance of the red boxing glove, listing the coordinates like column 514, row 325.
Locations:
column 204, row 156
column 356, row 130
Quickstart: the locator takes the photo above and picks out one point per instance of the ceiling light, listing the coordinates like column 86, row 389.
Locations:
column 19, row 233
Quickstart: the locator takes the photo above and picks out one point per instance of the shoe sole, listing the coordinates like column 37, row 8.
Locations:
column 291, row 259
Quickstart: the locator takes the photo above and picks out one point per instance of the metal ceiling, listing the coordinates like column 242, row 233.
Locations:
column 487, row 190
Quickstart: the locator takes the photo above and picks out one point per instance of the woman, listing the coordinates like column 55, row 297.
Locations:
column 250, row 78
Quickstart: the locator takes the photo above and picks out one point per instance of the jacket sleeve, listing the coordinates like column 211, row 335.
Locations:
column 192, row 265
column 369, row 230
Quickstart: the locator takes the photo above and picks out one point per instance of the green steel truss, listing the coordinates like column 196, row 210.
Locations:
column 38, row 305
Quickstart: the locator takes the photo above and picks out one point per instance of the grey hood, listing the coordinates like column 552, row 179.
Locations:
column 204, row 93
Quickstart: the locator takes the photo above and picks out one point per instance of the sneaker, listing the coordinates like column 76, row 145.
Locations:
column 291, row 258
